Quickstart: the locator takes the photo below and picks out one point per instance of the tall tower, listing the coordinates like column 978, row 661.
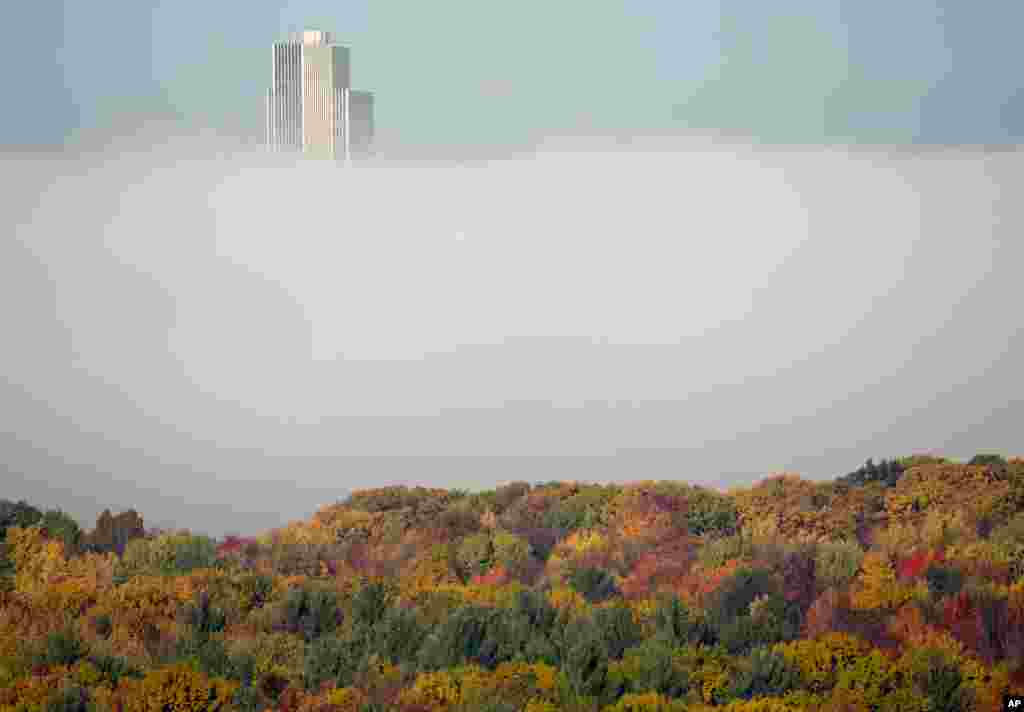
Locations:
column 311, row 107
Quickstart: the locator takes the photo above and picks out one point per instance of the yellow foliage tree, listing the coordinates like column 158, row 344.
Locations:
column 529, row 686
column 581, row 544
column 146, row 593
column 948, row 487
column 987, row 683
column 568, row 600
column 141, row 601
column 872, row 678
column 272, row 652
column 644, row 610
column 540, row 705
column 38, row 560
column 94, row 571
column 795, row 509
column 177, row 688
column 877, row 586
column 482, row 594
column 759, row 704
column 432, row 568
column 148, row 555
column 63, row 588
column 513, row 682
column 476, row 686
column 439, row 690
column 185, row 587
column 821, row 660
column 346, row 699
column 341, row 518
column 283, row 584
column 87, row 674
column 648, row 702
column 310, row 533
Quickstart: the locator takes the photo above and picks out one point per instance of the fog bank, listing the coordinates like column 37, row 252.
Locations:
column 225, row 339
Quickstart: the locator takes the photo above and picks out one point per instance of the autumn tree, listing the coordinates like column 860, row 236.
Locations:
column 676, row 625
column 593, row 583
column 717, row 551
column 798, row 571
column 710, row 513
column 765, row 673
column 659, row 569
column 310, row 612
column 168, row 554
column 254, row 591
column 178, row 688
column 529, row 626
column 112, row 534
column 397, row 636
column 878, row 587
column 465, row 637
column 733, row 596
column 648, row 667
column 112, row 668
column 17, row 514
column 988, row 460
column 62, row 647
column 943, row 580
column 887, row 472
column 825, row 613
column 514, row 554
column 369, row 604
column 475, row 555
column 508, row 494
column 936, row 675
column 585, row 662
column 584, row 508
column 647, row 702
column 822, row 660
column 618, row 628
column 332, row 658
column 202, row 616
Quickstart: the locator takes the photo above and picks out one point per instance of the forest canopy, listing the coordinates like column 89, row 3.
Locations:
column 898, row 585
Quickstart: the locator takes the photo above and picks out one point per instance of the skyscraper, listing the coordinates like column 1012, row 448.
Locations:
column 311, row 107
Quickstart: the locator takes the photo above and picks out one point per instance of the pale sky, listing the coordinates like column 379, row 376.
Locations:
column 226, row 342
column 465, row 72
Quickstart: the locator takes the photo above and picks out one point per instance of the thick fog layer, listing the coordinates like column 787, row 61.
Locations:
column 226, row 342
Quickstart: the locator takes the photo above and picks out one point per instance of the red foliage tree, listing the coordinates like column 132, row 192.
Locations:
column 233, row 545
column 959, row 616
column 663, row 567
column 956, row 609
column 496, row 576
column 914, row 566
column 823, row 615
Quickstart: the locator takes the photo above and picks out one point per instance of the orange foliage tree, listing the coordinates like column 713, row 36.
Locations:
column 877, row 587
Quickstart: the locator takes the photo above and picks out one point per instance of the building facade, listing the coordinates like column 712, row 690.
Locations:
column 311, row 106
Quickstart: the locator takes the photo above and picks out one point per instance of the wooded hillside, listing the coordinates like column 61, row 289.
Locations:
column 897, row 586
